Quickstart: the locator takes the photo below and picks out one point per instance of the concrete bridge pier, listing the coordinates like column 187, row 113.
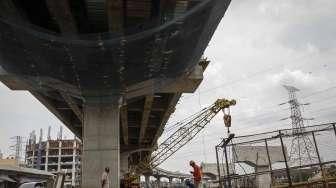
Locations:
column 158, row 180
column 147, row 181
column 101, row 146
column 264, row 180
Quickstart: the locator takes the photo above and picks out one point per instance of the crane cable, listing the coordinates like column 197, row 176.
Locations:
column 203, row 135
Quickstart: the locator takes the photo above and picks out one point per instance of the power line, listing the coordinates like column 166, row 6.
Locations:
column 260, row 126
column 318, row 92
column 197, row 149
column 265, row 124
column 258, row 73
column 272, row 112
column 314, row 111
column 176, row 125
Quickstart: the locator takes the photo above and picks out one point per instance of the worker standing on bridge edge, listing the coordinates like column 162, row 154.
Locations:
column 105, row 181
column 197, row 173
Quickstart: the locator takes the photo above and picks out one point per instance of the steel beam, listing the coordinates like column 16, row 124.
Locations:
column 135, row 109
column 73, row 105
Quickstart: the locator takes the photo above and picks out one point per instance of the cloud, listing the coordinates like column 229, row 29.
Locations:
column 295, row 77
column 308, row 35
column 20, row 113
column 305, row 23
column 258, row 46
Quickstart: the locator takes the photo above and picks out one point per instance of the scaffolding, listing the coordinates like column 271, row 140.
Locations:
column 17, row 149
column 58, row 155
column 261, row 160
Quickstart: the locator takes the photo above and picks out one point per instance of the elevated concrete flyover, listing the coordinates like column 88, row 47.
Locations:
column 111, row 71
column 159, row 173
column 13, row 176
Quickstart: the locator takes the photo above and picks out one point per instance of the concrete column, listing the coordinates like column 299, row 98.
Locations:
column 158, row 181
column 263, row 180
column 46, row 157
column 33, row 157
column 123, row 163
column 73, row 171
column 59, row 155
column 147, row 181
column 101, row 147
column 170, row 179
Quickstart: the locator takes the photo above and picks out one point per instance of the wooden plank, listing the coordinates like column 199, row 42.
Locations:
column 145, row 117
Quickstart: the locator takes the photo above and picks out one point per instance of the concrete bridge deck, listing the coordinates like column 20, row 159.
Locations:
column 111, row 71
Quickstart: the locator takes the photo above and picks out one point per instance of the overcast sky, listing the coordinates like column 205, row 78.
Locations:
column 258, row 46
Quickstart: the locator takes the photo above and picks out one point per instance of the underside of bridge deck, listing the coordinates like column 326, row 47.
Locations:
column 80, row 57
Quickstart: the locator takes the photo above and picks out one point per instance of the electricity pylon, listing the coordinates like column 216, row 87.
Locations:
column 302, row 149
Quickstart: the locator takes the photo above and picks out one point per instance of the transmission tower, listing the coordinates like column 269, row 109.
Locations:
column 302, row 149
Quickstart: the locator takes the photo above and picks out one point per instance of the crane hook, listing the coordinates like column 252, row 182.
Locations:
column 227, row 117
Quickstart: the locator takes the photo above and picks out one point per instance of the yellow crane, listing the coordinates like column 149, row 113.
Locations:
column 186, row 132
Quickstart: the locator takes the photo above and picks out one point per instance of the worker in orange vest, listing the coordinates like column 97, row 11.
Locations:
column 197, row 173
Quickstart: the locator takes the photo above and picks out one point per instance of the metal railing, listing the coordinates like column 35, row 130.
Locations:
column 266, row 159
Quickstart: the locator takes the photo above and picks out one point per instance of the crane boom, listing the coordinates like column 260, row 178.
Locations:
column 185, row 133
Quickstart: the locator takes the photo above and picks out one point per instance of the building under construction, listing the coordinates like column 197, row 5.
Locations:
column 55, row 155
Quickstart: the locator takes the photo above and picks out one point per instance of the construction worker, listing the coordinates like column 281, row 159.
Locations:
column 105, row 181
column 197, row 173
column 189, row 184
